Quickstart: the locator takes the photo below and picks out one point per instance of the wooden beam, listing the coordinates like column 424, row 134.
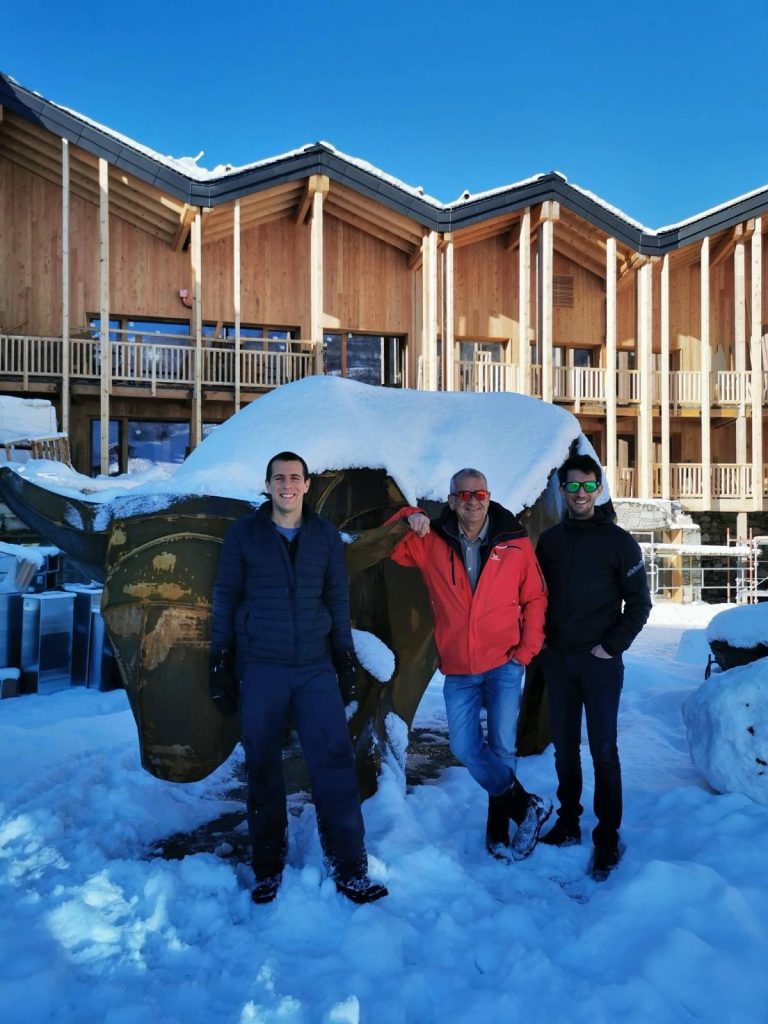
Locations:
column 545, row 304
column 368, row 228
column 104, row 345
column 377, row 213
column 611, row 452
column 726, row 245
column 449, row 341
column 666, row 489
column 511, row 239
column 740, row 342
column 524, row 304
column 186, row 217
column 65, row 395
column 195, row 252
column 316, row 271
column 236, row 299
column 755, row 351
column 644, row 365
column 705, row 366
column 429, row 310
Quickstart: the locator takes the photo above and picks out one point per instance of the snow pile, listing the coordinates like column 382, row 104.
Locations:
column 374, row 655
column 746, row 626
column 24, row 418
column 726, row 723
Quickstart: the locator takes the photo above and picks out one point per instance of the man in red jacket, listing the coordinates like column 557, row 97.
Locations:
column 488, row 599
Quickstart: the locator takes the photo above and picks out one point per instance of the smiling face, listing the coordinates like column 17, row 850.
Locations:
column 580, row 505
column 287, row 487
column 471, row 513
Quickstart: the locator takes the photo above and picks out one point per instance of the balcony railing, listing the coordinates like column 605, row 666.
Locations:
column 728, row 480
column 157, row 360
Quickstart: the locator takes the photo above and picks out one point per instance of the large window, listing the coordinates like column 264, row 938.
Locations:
column 147, row 443
column 370, row 358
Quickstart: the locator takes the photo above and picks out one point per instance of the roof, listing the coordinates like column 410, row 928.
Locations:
column 184, row 180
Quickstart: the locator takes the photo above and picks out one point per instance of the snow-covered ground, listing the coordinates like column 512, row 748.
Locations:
column 97, row 930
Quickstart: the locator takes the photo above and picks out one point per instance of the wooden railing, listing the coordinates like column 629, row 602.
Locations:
column 165, row 362
column 482, row 375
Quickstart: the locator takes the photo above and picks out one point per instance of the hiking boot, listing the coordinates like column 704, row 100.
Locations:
column 604, row 861
column 361, row 889
column 266, row 888
column 497, row 828
column 537, row 812
column 562, row 835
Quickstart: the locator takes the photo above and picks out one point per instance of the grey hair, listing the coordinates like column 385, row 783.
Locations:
column 467, row 471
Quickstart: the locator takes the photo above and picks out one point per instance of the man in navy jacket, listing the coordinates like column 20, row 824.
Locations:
column 280, row 623
column 598, row 603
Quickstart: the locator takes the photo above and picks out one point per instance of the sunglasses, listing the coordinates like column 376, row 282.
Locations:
column 480, row 494
column 589, row 486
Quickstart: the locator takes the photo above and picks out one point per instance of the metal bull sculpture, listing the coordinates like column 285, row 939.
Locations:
column 158, row 569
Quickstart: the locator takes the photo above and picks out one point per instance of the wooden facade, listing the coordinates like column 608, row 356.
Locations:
column 131, row 293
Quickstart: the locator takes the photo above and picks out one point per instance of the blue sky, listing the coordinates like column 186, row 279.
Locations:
column 659, row 108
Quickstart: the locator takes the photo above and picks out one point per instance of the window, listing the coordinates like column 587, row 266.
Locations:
column 149, row 443
column 370, row 358
column 114, row 447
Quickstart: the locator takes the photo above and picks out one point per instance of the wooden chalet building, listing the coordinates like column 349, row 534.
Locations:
column 149, row 300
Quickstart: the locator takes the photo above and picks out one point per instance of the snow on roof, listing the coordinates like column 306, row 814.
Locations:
column 746, row 626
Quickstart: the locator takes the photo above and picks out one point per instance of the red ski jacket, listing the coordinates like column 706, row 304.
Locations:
column 504, row 617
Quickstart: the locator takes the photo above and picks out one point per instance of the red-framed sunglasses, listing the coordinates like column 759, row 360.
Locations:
column 481, row 494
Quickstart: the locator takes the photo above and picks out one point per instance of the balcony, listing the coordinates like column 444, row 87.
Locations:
column 156, row 361
column 578, row 385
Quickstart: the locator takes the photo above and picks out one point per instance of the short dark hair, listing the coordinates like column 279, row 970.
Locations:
column 287, row 457
column 582, row 463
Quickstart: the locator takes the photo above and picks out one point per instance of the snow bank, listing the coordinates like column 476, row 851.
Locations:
column 23, row 418
column 726, row 722
column 746, row 626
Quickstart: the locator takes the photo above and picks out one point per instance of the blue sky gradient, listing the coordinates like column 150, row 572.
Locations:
column 659, row 108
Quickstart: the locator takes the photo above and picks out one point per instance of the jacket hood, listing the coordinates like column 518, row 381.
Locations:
column 501, row 522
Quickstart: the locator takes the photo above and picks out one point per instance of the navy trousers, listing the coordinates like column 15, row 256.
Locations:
column 311, row 693
column 575, row 682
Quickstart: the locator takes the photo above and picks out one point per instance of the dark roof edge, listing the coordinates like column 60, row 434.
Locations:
column 322, row 159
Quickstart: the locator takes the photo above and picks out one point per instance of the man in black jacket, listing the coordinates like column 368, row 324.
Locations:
column 598, row 603
column 280, row 624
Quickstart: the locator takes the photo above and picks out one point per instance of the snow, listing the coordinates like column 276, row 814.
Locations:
column 741, row 627
column 96, row 929
column 24, row 418
column 726, row 723
column 374, row 655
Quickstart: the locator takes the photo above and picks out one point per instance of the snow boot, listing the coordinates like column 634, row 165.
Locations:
column 562, row 835
column 361, row 889
column 497, row 828
column 537, row 812
column 266, row 888
column 604, row 861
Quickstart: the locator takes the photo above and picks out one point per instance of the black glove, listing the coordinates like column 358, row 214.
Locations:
column 223, row 684
column 345, row 664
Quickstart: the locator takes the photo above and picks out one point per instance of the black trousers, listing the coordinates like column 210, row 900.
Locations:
column 312, row 694
column 575, row 682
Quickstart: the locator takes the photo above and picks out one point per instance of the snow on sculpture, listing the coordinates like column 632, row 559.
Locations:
column 369, row 450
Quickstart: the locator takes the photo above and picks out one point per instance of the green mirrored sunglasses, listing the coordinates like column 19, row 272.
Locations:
column 590, row 486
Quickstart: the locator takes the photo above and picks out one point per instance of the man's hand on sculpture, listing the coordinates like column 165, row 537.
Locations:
column 419, row 523
column 223, row 684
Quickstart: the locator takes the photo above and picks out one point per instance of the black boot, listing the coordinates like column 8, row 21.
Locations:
column 497, row 828
column 361, row 889
column 604, row 861
column 266, row 888
column 562, row 834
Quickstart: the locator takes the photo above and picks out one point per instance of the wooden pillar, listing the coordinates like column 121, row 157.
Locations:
column 429, row 309
column 236, row 296
column 195, row 250
column 740, row 349
column 65, row 367
column 319, row 185
column 546, row 268
column 755, row 355
column 610, row 366
column 524, row 304
column 104, row 346
column 705, row 365
column 645, row 366
column 449, row 341
column 664, row 381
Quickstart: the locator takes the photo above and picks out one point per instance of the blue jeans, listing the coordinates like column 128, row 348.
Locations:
column 491, row 762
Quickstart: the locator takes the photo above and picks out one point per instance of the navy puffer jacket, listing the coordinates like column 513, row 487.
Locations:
column 276, row 609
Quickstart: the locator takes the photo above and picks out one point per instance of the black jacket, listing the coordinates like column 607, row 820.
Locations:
column 277, row 605
column 598, row 591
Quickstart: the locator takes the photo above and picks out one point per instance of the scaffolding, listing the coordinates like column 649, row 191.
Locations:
column 731, row 573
